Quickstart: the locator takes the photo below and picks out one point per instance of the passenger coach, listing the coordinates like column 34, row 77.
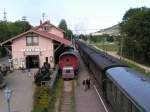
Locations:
column 123, row 88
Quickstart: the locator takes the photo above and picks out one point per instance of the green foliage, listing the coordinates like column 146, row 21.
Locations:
column 44, row 98
column 135, row 28
column 63, row 25
column 110, row 39
column 11, row 29
column 83, row 37
column 101, row 38
column 108, row 47
column 96, row 39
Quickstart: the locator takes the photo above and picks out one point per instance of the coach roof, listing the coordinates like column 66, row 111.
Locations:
column 133, row 85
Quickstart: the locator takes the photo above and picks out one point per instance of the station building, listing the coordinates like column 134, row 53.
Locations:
column 37, row 45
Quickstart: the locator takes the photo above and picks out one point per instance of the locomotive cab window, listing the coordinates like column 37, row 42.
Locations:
column 68, row 71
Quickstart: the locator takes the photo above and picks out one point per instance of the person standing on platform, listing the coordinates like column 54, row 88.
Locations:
column 29, row 72
column 84, row 85
column 89, row 83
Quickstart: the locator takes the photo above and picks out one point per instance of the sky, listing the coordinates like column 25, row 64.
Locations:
column 81, row 15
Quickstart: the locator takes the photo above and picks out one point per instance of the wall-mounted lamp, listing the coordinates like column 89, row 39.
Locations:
column 51, row 58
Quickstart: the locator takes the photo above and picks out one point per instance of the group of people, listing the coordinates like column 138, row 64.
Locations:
column 4, row 69
column 86, row 84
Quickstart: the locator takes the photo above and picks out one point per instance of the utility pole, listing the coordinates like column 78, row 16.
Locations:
column 121, row 49
column 24, row 18
column 4, row 18
column 43, row 16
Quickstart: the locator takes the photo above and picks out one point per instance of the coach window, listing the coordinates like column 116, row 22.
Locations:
column 108, row 86
column 118, row 96
column 127, row 105
column 122, row 99
column 134, row 109
column 115, row 93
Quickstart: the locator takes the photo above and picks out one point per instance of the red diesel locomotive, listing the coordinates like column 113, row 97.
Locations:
column 68, row 63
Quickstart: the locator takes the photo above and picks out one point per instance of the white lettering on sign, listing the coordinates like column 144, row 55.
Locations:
column 33, row 50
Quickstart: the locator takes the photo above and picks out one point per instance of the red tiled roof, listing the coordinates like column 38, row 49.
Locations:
column 47, row 22
column 42, row 33
column 53, row 37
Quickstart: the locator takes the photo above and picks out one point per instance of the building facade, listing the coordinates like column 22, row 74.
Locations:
column 36, row 46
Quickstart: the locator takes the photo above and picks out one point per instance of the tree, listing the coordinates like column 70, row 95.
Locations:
column 63, row 25
column 68, row 33
column 11, row 29
column 135, row 28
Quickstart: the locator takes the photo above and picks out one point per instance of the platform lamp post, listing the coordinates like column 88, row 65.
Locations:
column 8, row 95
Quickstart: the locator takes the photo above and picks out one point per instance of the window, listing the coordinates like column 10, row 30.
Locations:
column 35, row 40
column 32, row 40
column 29, row 40
column 46, row 28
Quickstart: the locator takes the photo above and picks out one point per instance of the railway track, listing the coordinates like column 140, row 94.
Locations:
column 67, row 97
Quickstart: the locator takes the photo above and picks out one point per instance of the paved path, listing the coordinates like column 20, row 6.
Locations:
column 4, row 61
column 23, row 89
column 86, row 101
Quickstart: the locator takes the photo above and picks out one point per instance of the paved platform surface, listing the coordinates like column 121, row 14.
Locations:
column 23, row 89
column 86, row 101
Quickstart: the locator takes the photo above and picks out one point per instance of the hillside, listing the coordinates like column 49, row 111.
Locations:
column 113, row 30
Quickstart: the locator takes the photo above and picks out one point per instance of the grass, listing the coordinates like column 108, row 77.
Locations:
column 45, row 99
column 108, row 47
column 135, row 67
column 114, row 47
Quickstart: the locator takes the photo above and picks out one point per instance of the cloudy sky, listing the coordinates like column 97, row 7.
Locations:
column 81, row 15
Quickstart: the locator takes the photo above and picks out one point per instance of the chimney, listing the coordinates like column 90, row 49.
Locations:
column 40, row 22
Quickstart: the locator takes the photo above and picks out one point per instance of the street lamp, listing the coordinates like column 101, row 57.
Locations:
column 8, row 94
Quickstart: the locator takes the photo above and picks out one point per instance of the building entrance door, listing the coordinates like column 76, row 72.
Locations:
column 32, row 61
